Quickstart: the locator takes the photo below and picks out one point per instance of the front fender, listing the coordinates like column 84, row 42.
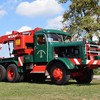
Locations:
column 65, row 61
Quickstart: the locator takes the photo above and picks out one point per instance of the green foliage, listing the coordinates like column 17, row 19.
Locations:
column 96, row 71
column 83, row 15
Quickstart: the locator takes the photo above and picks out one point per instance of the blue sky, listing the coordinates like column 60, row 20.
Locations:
column 23, row 15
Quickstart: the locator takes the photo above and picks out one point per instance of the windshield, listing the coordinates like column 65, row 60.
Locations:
column 54, row 37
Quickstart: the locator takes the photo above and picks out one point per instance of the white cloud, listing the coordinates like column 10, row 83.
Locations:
column 10, row 4
column 55, row 23
column 2, row 12
column 41, row 8
column 7, row 33
column 23, row 28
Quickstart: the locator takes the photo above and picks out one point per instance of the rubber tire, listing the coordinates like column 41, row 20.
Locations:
column 2, row 73
column 16, row 74
column 86, row 77
column 66, row 75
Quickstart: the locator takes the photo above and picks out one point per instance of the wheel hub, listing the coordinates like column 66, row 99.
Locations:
column 58, row 74
column 10, row 74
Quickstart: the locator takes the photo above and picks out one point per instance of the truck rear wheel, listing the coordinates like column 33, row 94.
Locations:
column 59, row 75
column 2, row 73
column 12, row 73
column 86, row 77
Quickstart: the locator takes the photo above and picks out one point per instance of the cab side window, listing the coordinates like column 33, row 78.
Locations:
column 41, row 40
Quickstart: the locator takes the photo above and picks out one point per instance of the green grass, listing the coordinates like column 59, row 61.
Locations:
column 46, row 91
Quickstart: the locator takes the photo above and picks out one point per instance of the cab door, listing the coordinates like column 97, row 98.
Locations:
column 40, row 53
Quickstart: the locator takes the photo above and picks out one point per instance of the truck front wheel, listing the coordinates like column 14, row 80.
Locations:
column 2, row 73
column 59, row 75
column 12, row 73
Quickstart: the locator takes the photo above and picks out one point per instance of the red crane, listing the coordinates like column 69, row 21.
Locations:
column 22, row 41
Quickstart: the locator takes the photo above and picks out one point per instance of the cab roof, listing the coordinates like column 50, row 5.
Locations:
column 52, row 31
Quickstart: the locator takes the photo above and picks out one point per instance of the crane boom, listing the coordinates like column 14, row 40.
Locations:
column 10, row 37
column 20, row 41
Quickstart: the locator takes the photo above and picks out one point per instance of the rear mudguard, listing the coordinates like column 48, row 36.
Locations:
column 68, row 64
column 8, row 62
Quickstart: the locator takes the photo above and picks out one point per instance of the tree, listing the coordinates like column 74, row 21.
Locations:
column 83, row 17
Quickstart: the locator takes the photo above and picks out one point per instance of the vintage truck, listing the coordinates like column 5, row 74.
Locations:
column 40, row 53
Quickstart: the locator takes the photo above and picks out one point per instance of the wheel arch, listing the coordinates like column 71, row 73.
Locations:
column 7, row 63
column 66, row 62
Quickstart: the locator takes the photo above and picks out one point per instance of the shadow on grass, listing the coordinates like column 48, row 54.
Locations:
column 96, row 82
column 71, row 82
column 49, row 82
